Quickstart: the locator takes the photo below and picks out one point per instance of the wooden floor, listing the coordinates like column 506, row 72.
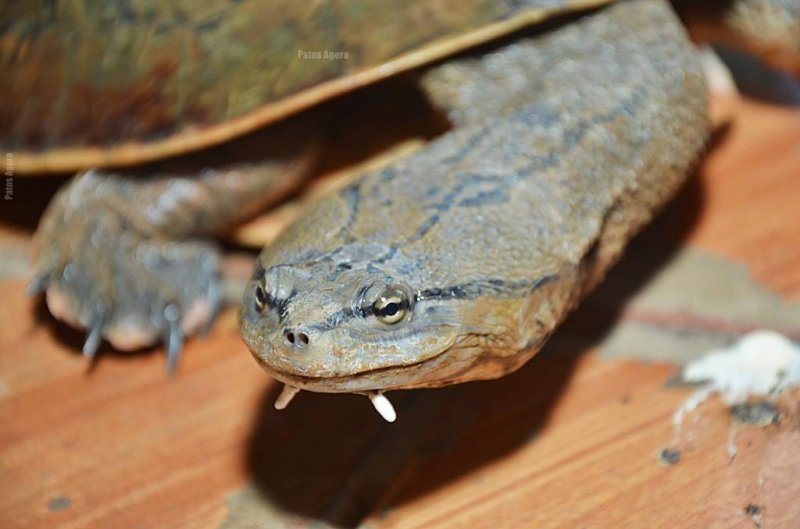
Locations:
column 571, row 440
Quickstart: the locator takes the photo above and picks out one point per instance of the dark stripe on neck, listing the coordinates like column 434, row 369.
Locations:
column 485, row 287
column 470, row 290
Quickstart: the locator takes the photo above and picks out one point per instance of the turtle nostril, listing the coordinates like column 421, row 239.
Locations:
column 293, row 339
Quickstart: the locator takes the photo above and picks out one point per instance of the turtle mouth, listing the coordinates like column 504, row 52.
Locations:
column 377, row 379
column 370, row 383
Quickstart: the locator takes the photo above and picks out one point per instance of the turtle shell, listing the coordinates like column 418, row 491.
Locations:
column 89, row 83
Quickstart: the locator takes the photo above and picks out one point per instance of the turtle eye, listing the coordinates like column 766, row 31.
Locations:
column 391, row 306
column 261, row 298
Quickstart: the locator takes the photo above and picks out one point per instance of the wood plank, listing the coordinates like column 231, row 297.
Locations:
column 751, row 185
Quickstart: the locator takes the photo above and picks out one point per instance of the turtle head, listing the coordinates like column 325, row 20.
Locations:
column 354, row 320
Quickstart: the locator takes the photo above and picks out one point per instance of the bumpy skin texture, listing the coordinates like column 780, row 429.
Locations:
column 124, row 254
column 566, row 143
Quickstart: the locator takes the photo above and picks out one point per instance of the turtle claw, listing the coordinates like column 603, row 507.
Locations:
column 96, row 328
column 91, row 344
column 93, row 340
column 173, row 339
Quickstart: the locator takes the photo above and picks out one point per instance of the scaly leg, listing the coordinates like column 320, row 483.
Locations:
column 122, row 254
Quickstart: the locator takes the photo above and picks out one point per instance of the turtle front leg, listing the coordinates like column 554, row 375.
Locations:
column 124, row 255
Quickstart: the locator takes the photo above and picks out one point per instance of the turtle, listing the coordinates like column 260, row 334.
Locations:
column 573, row 123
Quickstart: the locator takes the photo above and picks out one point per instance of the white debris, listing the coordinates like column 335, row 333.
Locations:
column 760, row 363
column 382, row 406
column 286, row 396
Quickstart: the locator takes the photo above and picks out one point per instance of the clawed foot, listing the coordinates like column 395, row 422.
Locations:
column 98, row 273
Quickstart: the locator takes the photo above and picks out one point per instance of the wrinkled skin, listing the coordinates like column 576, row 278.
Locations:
column 496, row 230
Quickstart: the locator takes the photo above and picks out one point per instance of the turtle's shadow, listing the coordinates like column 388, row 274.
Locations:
column 330, row 457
